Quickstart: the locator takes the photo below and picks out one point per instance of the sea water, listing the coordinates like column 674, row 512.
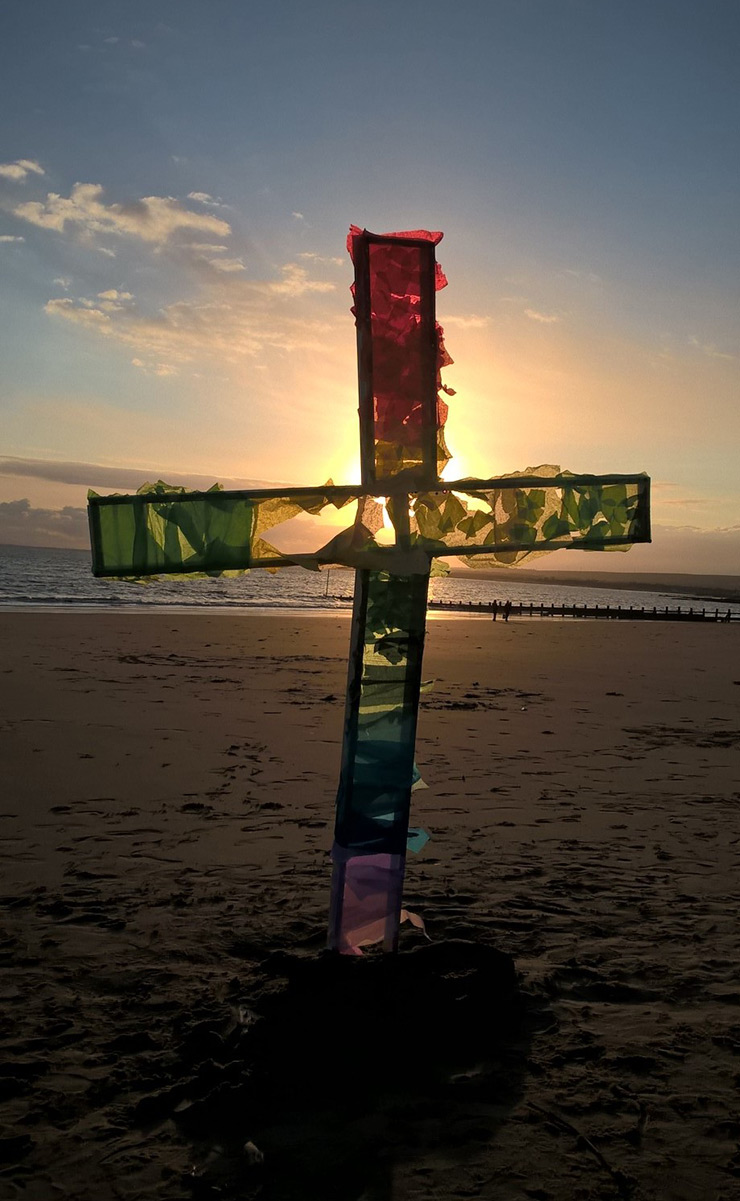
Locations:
column 61, row 579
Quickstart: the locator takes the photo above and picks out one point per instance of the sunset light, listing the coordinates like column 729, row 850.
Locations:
column 175, row 290
column 370, row 599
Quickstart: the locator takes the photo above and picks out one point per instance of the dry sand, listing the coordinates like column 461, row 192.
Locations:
column 167, row 799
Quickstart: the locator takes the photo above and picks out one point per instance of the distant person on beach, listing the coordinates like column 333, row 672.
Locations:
column 495, row 609
column 507, row 610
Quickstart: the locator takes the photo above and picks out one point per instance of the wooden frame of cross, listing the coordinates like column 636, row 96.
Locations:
column 162, row 530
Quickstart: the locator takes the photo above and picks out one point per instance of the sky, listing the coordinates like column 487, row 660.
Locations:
column 176, row 183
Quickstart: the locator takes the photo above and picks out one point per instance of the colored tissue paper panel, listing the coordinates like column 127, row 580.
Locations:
column 399, row 356
column 272, row 511
column 366, row 901
column 407, row 355
column 191, row 533
column 367, row 896
column 378, row 771
column 518, row 522
column 165, row 530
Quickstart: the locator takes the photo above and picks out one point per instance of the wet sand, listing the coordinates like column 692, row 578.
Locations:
column 165, row 821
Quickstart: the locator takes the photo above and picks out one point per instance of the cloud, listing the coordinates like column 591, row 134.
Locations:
column 114, row 294
column 159, row 369
column 21, row 169
column 22, row 525
column 233, row 319
column 590, row 276
column 205, row 198
column 63, row 281
column 674, row 550
column 226, row 264
column 295, row 282
column 298, row 216
column 689, row 549
column 97, row 475
column 85, row 312
column 709, row 349
column 153, row 219
column 320, row 258
column 111, row 41
column 685, row 500
column 471, row 321
column 11, row 238
column 545, row 318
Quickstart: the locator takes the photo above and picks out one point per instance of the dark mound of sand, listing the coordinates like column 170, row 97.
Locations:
column 336, row 1066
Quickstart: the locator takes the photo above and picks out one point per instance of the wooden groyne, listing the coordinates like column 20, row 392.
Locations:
column 603, row 612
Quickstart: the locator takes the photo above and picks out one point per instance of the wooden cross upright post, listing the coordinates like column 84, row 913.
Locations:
column 162, row 530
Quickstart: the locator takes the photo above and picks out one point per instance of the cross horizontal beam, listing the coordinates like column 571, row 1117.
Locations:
column 176, row 532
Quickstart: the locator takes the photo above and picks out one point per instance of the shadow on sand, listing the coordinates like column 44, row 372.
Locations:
column 345, row 1067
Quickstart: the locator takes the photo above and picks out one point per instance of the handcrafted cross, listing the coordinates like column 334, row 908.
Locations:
column 163, row 530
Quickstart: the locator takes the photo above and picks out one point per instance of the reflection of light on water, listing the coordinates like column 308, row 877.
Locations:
column 439, row 615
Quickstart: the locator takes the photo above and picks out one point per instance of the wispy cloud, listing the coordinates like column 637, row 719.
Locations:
column 161, row 370
column 205, row 198
column 153, row 219
column 589, row 276
column 226, row 265
column 545, row 318
column 296, row 282
column 101, row 46
column 320, row 259
column 232, row 319
column 467, row 321
column 229, row 318
column 206, row 247
column 709, row 349
column 686, row 500
column 11, row 238
column 20, row 170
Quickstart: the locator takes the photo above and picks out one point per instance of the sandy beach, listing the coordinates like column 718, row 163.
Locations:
column 167, row 798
